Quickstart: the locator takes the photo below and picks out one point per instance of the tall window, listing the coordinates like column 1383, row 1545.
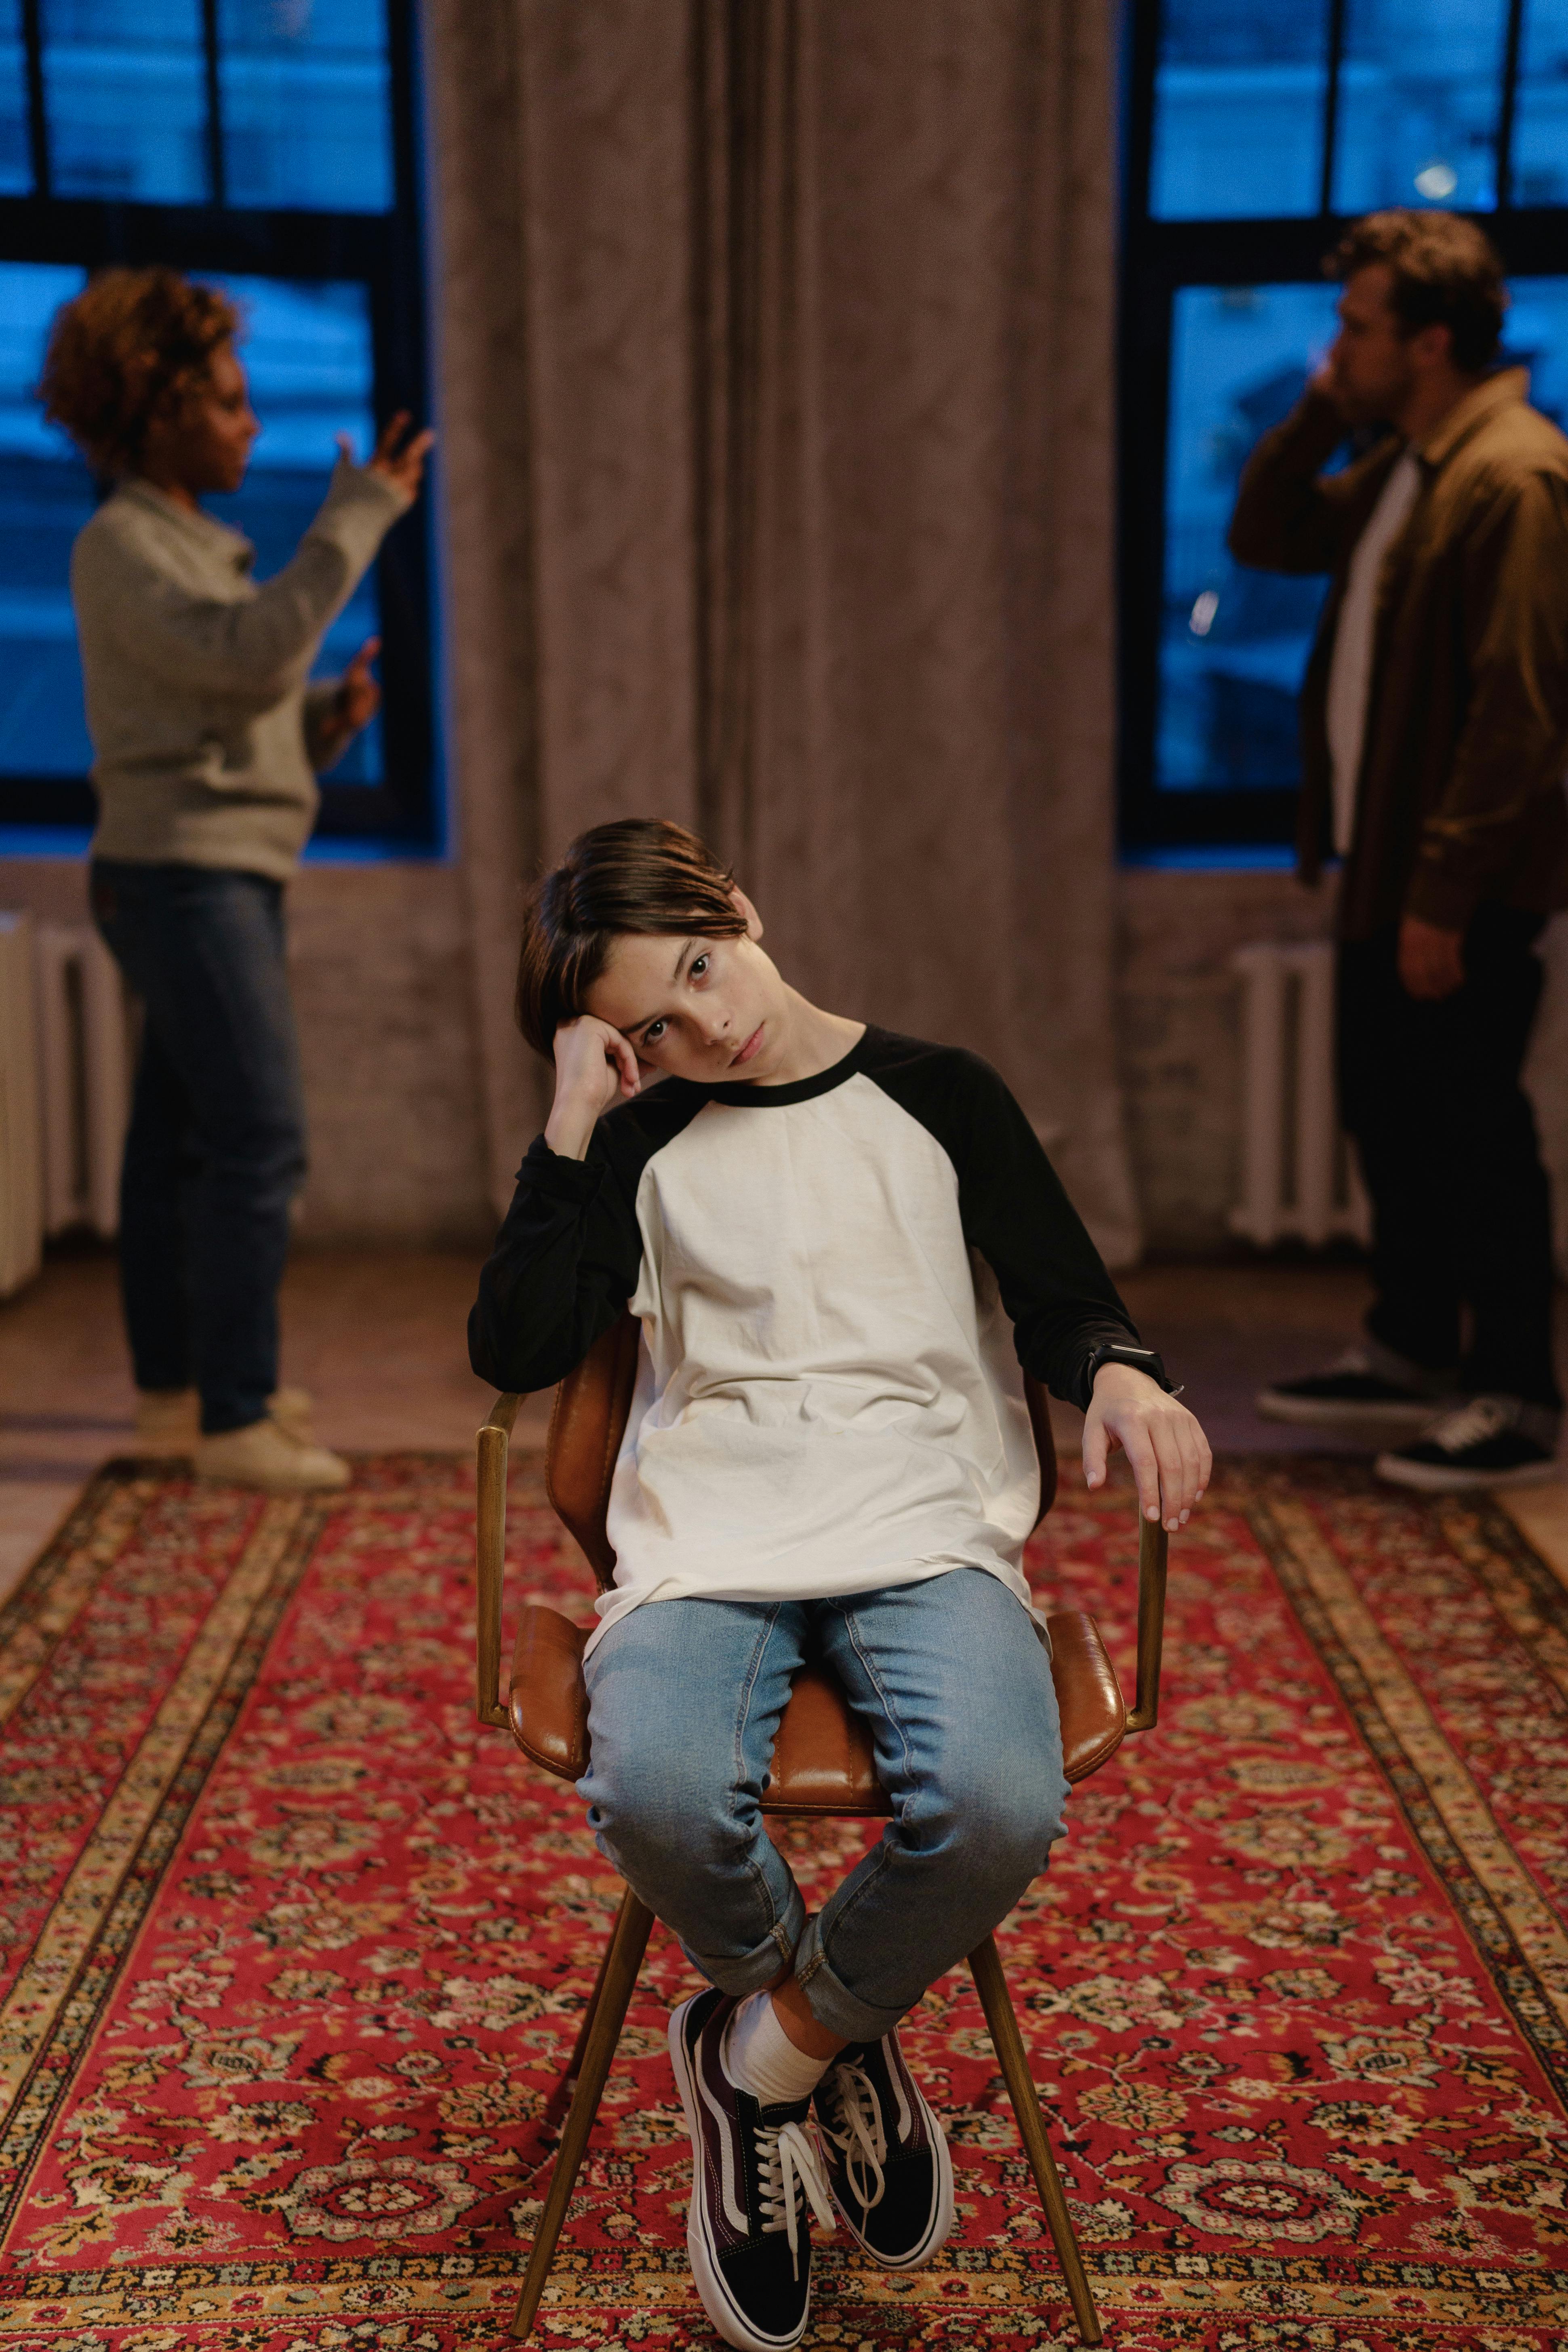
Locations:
column 1256, row 131
column 269, row 146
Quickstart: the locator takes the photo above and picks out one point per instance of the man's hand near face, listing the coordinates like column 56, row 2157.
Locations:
column 1431, row 961
column 1325, row 382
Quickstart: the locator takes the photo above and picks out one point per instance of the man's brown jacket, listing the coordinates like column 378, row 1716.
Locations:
column 1461, row 794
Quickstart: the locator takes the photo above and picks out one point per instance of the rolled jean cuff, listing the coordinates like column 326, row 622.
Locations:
column 836, row 2009
column 765, row 1961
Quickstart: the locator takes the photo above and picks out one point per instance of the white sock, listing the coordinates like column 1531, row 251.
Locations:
column 760, row 2057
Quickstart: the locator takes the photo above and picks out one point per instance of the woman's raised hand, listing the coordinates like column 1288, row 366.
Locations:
column 359, row 696
column 396, row 458
column 595, row 1067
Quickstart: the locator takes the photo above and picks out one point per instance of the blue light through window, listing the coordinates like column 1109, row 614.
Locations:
column 1537, row 338
column 1540, row 118
column 302, row 114
column 1420, row 103
column 305, row 104
column 125, row 97
column 1239, row 102
column 15, row 163
column 45, row 496
column 307, row 349
column 1232, row 642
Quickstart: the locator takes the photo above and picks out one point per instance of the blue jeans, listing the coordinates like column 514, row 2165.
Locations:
column 215, row 1149
column 954, row 1685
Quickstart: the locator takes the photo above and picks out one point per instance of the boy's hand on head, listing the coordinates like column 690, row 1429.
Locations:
column 595, row 1067
column 1162, row 1440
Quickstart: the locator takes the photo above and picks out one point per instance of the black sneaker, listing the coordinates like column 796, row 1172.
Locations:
column 1493, row 1441
column 754, row 2169
column 888, row 2160
column 1360, row 1390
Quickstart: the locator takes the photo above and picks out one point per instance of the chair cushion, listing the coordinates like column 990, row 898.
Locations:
column 548, row 1700
column 1089, row 1696
column 822, row 1762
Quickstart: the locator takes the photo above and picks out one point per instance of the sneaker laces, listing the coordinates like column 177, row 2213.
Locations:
column 1471, row 1425
column 788, row 2162
column 857, row 2132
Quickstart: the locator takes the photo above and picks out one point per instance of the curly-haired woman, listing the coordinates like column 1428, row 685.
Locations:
column 206, row 738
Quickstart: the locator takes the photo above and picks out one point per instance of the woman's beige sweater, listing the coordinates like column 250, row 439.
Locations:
column 194, row 677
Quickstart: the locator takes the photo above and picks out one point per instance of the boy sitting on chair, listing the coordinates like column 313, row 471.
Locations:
column 825, row 1229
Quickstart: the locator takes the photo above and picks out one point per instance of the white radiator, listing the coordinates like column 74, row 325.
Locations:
column 21, row 1141
column 84, row 1068
column 1299, row 1176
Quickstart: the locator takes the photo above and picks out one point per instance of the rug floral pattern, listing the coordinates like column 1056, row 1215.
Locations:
column 293, row 1950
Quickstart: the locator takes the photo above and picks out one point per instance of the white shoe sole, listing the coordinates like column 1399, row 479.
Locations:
column 941, row 2216
column 1319, row 1412
column 726, row 2315
column 1429, row 1478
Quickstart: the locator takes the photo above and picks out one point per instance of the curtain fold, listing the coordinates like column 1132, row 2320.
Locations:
column 807, row 458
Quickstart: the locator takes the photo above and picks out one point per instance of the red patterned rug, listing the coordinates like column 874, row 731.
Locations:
column 294, row 1950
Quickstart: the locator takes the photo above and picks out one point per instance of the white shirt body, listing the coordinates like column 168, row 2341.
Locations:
column 1350, row 673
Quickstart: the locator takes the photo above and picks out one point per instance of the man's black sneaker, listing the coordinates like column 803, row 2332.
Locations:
column 754, row 2169
column 887, row 2157
column 1493, row 1441
column 1359, row 1392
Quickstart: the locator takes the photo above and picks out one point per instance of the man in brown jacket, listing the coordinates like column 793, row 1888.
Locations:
column 1435, row 742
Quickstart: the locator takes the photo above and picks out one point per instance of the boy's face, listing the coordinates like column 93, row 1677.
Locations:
column 693, row 1007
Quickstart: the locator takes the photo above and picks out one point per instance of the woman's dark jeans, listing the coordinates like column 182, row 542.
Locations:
column 215, row 1150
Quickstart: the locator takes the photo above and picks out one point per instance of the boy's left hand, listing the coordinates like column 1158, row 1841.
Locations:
column 1167, row 1449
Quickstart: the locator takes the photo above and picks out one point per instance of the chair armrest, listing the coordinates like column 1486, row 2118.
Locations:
column 489, row 1558
column 1153, row 1544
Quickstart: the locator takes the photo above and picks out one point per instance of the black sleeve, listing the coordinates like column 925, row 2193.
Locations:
column 564, row 1264
column 1053, row 1281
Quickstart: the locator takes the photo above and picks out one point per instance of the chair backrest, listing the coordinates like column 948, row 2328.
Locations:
column 589, row 1422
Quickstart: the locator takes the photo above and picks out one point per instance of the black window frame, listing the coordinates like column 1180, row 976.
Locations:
column 1159, row 257
column 382, row 251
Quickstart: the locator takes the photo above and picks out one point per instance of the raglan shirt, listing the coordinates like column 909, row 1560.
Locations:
column 828, row 1399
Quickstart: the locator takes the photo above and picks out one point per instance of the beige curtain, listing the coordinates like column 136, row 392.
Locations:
column 776, row 409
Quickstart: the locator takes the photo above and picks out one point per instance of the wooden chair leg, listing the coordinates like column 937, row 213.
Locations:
column 561, row 2097
column 622, row 1961
column 985, row 1965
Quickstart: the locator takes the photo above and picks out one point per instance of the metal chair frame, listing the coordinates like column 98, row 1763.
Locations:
column 578, row 2092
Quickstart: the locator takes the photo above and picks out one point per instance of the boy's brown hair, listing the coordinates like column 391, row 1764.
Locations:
column 641, row 874
column 1446, row 273
column 130, row 346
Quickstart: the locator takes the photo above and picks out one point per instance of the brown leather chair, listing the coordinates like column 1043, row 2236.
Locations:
column 822, row 1762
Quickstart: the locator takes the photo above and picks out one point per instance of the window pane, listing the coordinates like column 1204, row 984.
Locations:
column 1420, row 100
column 307, row 351
column 1541, row 118
column 306, row 104
column 125, row 95
column 45, row 496
column 1239, row 109
column 1537, row 337
column 15, row 164
column 1233, row 642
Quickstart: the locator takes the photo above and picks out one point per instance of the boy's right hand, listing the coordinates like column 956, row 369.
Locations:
column 595, row 1067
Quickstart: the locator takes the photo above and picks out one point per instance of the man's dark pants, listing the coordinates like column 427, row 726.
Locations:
column 215, row 1149
column 1462, row 1208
